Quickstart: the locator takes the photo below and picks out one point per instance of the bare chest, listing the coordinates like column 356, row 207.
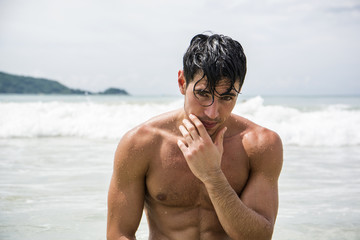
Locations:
column 170, row 181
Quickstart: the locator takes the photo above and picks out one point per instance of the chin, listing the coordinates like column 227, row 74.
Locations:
column 211, row 132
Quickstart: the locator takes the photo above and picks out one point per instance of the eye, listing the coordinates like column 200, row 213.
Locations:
column 227, row 98
column 203, row 94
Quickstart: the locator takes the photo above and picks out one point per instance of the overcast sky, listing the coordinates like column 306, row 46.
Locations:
column 292, row 46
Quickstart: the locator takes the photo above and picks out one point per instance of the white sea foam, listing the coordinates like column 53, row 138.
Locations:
column 332, row 125
column 84, row 119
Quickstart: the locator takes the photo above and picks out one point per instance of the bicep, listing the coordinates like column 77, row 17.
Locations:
column 126, row 194
column 125, row 206
column 261, row 195
column 261, row 191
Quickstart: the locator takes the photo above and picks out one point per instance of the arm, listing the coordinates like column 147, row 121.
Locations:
column 252, row 216
column 126, row 191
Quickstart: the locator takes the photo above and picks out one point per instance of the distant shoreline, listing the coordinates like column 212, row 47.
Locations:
column 16, row 84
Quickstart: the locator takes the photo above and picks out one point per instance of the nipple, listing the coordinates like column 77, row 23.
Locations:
column 161, row 197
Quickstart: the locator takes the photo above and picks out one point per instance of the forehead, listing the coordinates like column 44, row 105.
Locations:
column 223, row 86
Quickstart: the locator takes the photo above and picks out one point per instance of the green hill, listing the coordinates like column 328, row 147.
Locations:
column 28, row 85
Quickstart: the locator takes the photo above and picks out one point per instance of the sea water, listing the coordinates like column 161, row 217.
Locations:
column 56, row 157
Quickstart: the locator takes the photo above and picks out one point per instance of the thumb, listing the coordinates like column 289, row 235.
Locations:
column 220, row 137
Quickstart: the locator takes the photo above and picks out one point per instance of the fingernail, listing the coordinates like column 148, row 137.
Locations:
column 225, row 129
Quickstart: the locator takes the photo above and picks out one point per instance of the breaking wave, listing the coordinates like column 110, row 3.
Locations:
column 332, row 125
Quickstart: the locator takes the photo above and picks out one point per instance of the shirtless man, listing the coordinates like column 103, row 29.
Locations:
column 201, row 172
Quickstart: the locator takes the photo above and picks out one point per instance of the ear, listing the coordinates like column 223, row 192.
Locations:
column 182, row 82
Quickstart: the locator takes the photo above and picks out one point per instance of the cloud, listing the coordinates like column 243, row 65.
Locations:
column 138, row 45
column 345, row 8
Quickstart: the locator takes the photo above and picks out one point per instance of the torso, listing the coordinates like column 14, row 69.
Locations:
column 176, row 202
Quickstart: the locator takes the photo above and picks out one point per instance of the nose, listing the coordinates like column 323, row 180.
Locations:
column 212, row 111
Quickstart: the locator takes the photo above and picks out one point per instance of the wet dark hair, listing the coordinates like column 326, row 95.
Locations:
column 218, row 57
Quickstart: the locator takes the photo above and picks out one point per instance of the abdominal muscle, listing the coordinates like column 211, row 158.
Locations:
column 191, row 223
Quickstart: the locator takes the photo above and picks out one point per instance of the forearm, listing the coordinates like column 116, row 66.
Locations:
column 239, row 221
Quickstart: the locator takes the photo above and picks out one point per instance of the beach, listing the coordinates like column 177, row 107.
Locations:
column 56, row 158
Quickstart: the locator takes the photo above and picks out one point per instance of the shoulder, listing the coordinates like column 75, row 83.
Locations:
column 263, row 146
column 259, row 139
column 143, row 139
column 137, row 147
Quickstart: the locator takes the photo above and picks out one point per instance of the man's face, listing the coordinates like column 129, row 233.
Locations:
column 212, row 109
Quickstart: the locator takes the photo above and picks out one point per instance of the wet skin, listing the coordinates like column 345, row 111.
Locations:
column 177, row 202
column 201, row 173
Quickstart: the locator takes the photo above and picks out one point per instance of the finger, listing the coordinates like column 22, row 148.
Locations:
column 182, row 146
column 186, row 134
column 219, row 139
column 191, row 129
column 199, row 126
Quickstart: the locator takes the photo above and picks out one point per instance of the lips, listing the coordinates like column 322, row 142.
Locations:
column 209, row 125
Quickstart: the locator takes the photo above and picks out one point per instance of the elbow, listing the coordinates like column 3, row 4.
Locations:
column 267, row 232
column 112, row 236
column 115, row 236
column 120, row 238
column 263, row 233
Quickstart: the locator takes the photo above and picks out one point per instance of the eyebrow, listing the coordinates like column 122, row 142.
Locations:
column 202, row 90
column 228, row 94
column 221, row 95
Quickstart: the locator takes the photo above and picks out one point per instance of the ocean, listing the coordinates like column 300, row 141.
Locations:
column 56, row 157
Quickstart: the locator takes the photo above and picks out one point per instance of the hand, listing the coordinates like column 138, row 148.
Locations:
column 202, row 155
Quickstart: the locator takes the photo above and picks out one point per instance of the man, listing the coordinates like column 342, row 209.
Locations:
column 201, row 172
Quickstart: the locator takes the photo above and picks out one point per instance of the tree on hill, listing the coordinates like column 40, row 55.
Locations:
column 28, row 85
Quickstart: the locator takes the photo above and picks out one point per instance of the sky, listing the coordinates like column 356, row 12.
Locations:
column 293, row 47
